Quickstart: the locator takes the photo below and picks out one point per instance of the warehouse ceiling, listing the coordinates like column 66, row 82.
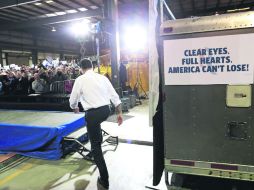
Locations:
column 17, row 14
column 38, row 18
column 26, row 24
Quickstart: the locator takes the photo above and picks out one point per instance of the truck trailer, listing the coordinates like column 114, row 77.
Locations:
column 208, row 114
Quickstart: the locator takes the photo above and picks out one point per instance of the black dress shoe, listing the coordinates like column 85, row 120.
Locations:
column 101, row 185
column 89, row 157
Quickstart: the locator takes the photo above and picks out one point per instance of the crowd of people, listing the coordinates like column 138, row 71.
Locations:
column 26, row 80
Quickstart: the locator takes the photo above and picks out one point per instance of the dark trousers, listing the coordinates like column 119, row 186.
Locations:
column 94, row 118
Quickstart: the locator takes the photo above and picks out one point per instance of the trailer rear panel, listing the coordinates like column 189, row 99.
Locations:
column 208, row 84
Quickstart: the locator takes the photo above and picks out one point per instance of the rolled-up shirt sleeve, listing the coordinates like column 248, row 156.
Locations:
column 113, row 95
column 75, row 95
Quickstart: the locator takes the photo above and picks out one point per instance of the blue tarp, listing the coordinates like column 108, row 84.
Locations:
column 38, row 141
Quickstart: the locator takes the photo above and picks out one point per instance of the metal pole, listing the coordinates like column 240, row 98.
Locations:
column 1, row 58
column 34, row 51
column 169, row 10
column 61, row 56
column 161, row 11
column 6, row 59
column 82, row 47
column 111, row 15
column 98, row 53
column 35, row 57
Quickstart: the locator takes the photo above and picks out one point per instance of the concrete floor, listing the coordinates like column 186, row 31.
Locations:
column 130, row 166
column 136, row 128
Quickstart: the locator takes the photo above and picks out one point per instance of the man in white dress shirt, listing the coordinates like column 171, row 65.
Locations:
column 95, row 92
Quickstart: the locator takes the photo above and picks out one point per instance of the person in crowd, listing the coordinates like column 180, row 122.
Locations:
column 19, row 80
column 50, row 76
column 30, row 82
column 60, row 76
column 123, row 75
column 4, row 81
column 39, row 84
column 69, row 74
column 23, row 83
column 10, row 83
column 95, row 93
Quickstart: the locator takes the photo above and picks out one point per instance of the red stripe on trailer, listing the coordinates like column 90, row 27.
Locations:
column 182, row 162
column 224, row 167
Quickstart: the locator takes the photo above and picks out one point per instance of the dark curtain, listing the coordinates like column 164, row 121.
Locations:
column 158, row 133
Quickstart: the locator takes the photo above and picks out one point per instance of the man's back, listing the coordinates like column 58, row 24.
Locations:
column 95, row 90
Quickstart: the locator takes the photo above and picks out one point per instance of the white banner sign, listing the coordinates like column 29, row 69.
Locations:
column 209, row 60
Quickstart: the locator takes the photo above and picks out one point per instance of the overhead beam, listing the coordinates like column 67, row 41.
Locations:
column 37, row 41
column 11, row 13
column 30, row 9
column 13, row 3
column 10, row 16
column 53, row 6
column 79, row 4
column 17, row 12
column 71, row 7
column 66, row 5
column 53, row 20
column 42, row 8
column 94, row 3
column 17, row 46
column 5, row 18
column 23, row 12
column 40, row 36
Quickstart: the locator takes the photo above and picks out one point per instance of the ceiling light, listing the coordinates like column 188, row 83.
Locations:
column 93, row 7
column 236, row 10
column 86, row 21
column 49, row 1
column 60, row 13
column 50, row 15
column 135, row 38
column 71, row 11
column 82, row 9
column 37, row 4
column 42, row 16
column 81, row 29
column 231, row 10
column 244, row 9
column 53, row 29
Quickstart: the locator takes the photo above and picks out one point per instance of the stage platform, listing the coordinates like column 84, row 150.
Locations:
column 45, row 102
column 37, row 134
